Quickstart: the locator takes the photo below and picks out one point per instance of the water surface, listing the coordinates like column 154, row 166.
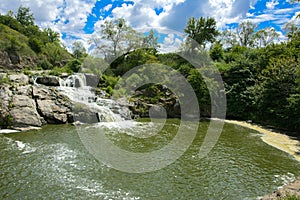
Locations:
column 52, row 163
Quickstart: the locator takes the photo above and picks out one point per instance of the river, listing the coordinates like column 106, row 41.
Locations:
column 53, row 163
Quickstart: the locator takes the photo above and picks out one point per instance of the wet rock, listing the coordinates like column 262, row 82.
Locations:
column 92, row 80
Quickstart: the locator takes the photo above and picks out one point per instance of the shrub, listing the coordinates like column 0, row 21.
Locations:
column 74, row 65
column 45, row 64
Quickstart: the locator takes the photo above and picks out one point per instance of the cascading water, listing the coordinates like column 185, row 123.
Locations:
column 76, row 88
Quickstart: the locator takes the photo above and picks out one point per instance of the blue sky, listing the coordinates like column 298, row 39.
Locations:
column 81, row 19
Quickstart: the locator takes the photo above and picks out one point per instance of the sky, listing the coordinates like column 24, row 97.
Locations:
column 79, row 20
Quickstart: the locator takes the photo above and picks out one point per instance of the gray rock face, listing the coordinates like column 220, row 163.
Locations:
column 165, row 106
column 51, row 112
column 24, row 112
column 13, row 61
column 5, row 96
column 20, row 79
column 92, row 80
column 24, row 105
column 52, row 106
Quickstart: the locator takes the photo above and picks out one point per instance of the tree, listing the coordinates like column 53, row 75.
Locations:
column 216, row 52
column 117, row 38
column 265, row 37
column 150, row 40
column 24, row 16
column 51, row 35
column 245, row 32
column 291, row 28
column 201, row 30
column 78, row 50
column 229, row 38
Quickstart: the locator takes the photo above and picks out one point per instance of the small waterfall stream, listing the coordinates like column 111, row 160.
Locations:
column 77, row 89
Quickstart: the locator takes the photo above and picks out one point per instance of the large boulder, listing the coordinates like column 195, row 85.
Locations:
column 24, row 112
column 52, row 106
column 48, row 80
column 92, row 80
column 52, row 112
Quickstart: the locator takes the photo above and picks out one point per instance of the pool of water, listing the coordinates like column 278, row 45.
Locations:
column 53, row 163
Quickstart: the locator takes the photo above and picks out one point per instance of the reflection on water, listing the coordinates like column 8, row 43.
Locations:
column 52, row 163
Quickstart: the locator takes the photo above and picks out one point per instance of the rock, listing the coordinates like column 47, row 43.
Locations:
column 14, row 58
column 20, row 79
column 92, row 80
column 48, row 80
column 4, row 59
column 51, row 112
column 41, row 93
column 290, row 190
column 24, row 90
column 5, row 106
column 24, row 112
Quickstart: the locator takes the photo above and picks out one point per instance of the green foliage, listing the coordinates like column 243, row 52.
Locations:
column 11, row 23
column 4, row 79
column 57, row 71
column 94, row 65
column 55, row 53
column 45, row 64
column 74, row 65
column 6, row 121
column 108, row 83
column 133, row 59
column 24, row 16
column 35, row 44
column 201, row 30
column 78, row 50
column 197, row 82
column 216, row 52
column 19, row 36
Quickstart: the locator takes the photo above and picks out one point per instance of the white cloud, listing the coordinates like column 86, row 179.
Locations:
column 70, row 16
column 171, row 43
column 108, row 7
column 271, row 4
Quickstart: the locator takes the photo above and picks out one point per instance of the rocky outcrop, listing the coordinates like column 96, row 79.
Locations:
column 25, row 105
column 14, row 61
column 289, row 191
column 157, row 100
column 54, row 107
column 24, row 112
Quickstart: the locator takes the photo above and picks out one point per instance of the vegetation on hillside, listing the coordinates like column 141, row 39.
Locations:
column 20, row 36
column 261, row 75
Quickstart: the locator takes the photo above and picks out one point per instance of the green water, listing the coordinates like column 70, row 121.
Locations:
column 54, row 164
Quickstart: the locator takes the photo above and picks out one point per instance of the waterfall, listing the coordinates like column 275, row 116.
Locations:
column 107, row 110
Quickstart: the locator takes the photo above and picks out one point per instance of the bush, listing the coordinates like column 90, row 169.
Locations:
column 57, row 71
column 45, row 65
column 35, row 44
column 74, row 65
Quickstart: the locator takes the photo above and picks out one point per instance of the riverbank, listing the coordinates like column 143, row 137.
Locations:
column 278, row 140
column 289, row 191
column 285, row 143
